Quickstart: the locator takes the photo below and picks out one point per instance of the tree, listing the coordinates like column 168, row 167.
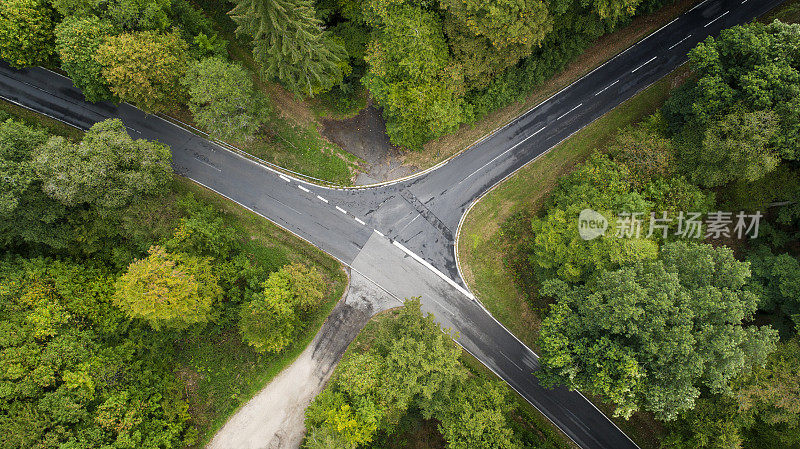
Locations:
column 168, row 289
column 222, row 99
column 772, row 391
column 751, row 67
column 645, row 153
column 651, row 335
column 290, row 44
column 145, row 68
column 271, row 318
column 77, row 41
column 27, row 215
column 26, row 32
column 777, row 282
column 408, row 363
column 476, row 417
column 614, row 10
column 737, row 147
column 557, row 249
column 107, row 169
column 412, row 77
column 75, row 374
column 487, row 37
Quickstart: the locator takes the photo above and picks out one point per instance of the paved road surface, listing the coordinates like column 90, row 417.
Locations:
column 407, row 229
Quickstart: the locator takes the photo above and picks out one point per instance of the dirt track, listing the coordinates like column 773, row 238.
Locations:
column 273, row 418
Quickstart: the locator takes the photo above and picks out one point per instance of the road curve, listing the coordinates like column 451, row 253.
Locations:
column 401, row 236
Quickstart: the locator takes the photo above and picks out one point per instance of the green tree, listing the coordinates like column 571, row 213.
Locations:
column 26, row 32
column 751, row 68
column 290, row 44
column 408, row 363
column 168, row 289
column 222, row 99
column 776, row 281
column 651, row 335
column 737, row 147
column 412, row 76
column 557, row 249
column 67, row 341
column 107, row 169
column 476, row 417
column 145, row 68
column 646, row 153
column 77, row 41
column 489, row 36
column 27, row 215
column 271, row 318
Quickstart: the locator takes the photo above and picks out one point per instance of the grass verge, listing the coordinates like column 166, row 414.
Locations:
column 486, row 242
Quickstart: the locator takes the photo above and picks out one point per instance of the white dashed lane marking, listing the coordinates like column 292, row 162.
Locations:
column 322, row 199
column 379, row 233
column 360, row 221
column 721, row 16
column 303, row 188
column 285, row 178
column 341, row 210
column 648, row 62
column 566, row 113
column 680, row 42
column 606, row 88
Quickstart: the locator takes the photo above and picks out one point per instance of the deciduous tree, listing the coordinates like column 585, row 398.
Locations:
column 77, row 41
column 26, row 32
column 107, row 169
column 272, row 317
column 650, row 336
column 145, row 68
column 168, row 289
column 222, row 99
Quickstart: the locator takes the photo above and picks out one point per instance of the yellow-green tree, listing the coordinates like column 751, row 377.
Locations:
column 168, row 289
column 26, row 32
column 145, row 68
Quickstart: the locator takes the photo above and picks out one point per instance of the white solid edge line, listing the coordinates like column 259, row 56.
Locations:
column 341, row 210
column 425, row 263
column 301, row 187
column 322, row 199
column 42, row 113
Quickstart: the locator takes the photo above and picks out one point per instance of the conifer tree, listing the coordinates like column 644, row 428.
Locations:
column 290, row 44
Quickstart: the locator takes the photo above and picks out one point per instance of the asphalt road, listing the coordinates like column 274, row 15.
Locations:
column 406, row 230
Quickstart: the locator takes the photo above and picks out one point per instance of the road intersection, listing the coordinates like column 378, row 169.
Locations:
column 402, row 235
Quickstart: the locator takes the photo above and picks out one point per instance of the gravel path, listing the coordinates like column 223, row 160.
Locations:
column 274, row 417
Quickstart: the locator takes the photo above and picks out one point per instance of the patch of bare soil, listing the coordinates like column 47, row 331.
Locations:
column 365, row 136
